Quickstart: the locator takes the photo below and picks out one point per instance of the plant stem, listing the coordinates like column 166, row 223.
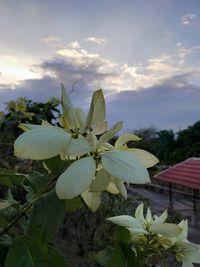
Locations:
column 7, row 228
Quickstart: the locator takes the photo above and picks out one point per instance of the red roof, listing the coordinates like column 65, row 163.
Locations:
column 186, row 173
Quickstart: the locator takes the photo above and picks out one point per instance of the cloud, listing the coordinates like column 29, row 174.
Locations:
column 187, row 19
column 52, row 41
column 160, row 91
column 166, row 106
column 74, row 44
column 96, row 40
column 16, row 68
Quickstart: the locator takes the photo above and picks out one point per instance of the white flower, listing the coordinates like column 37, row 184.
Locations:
column 96, row 165
column 141, row 224
column 186, row 252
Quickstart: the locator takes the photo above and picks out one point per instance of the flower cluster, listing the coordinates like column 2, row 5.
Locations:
column 154, row 234
column 96, row 165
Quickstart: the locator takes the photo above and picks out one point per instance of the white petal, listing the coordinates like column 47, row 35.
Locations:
column 149, row 215
column 187, row 263
column 80, row 115
column 96, row 112
column 125, row 221
column 146, row 158
column 184, row 233
column 92, row 199
column 121, row 187
column 68, row 110
column 166, row 229
column 76, row 179
column 99, row 108
column 101, row 181
column 78, row 147
column 124, row 138
column 137, row 231
column 26, row 126
column 100, row 128
column 111, row 188
column 125, row 166
column 110, row 134
column 139, row 213
column 162, row 218
column 192, row 251
column 41, row 143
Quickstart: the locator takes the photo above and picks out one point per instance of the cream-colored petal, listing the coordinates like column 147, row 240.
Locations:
column 166, row 229
column 125, row 138
column 125, row 221
column 146, row 158
column 76, row 179
column 92, row 199
column 68, row 110
column 109, row 134
column 78, row 147
column 41, row 143
column 125, row 167
column 101, row 181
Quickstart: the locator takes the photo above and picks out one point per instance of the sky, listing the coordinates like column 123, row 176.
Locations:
column 145, row 55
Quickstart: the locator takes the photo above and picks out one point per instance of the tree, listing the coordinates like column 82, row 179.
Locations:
column 22, row 111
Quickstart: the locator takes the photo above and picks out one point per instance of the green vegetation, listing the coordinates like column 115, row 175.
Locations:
column 67, row 161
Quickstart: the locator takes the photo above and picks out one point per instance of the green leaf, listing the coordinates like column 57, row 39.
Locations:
column 78, row 147
column 5, row 240
column 125, row 166
column 41, row 143
column 73, row 204
column 46, row 217
column 38, row 181
column 110, row 134
column 27, row 253
column 76, row 179
column 3, row 253
column 122, row 234
column 131, row 259
column 118, row 259
column 55, row 258
column 3, row 222
column 11, row 178
column 4, row 204
column 103, row 257
column 56, row 166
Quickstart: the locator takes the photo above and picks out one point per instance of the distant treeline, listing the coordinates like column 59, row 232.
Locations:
column 168, row 146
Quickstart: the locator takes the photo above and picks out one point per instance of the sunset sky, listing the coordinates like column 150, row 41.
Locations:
column 144, row 54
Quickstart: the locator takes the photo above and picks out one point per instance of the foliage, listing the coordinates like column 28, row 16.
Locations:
column 168, row 146
column 22, row 111
column 78, row 165
column 147, row 241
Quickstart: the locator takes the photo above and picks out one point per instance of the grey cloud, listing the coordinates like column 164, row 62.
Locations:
column 174, row 103
column 67, row 70
column 165, row 106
